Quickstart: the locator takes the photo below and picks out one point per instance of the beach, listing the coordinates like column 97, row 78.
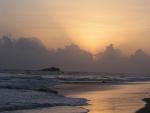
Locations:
column 102, row 98
column 123, row 98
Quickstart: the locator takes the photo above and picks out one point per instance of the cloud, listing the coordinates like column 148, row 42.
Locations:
column 30, row 53
column 73, row 58
column 112, row 60
column 22, row 53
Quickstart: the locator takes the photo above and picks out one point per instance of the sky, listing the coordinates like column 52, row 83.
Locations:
column 91, row 24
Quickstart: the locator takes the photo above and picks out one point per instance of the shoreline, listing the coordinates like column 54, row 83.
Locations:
column 81, row 108
column 115, row 95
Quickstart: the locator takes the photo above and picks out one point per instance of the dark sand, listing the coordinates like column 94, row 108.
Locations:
column 146, row 109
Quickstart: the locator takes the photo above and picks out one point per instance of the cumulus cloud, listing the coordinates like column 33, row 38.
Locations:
column 21, row 53
column 112, row 60
column 30, row 53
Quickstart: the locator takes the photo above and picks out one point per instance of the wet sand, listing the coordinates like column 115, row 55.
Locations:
column 126, row 98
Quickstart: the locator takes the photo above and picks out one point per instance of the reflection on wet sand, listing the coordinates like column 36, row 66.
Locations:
column 120, row 99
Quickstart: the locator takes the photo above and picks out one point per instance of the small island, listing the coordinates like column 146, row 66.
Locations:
column 51, row 69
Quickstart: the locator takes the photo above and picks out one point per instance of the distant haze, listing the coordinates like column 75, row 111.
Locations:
column 30, row 53
column 89, row 24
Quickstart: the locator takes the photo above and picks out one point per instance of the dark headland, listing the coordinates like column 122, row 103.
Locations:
column 146, row 109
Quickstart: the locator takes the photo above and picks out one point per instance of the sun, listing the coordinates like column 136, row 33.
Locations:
column 89, row 44
column 92, row 45
column 88, row 38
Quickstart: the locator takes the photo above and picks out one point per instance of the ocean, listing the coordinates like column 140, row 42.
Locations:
column 71, row 92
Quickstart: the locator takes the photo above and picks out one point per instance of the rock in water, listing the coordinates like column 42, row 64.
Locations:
column 52, row 69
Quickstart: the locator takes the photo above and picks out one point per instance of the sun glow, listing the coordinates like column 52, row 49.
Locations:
column 91, row 24
column 88, row 36
column 95, row 45
column 89, row 44
column 94, row 39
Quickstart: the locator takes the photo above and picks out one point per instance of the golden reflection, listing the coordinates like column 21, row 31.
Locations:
column 109, row 99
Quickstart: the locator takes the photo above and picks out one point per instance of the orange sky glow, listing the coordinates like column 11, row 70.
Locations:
column 91, row 24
